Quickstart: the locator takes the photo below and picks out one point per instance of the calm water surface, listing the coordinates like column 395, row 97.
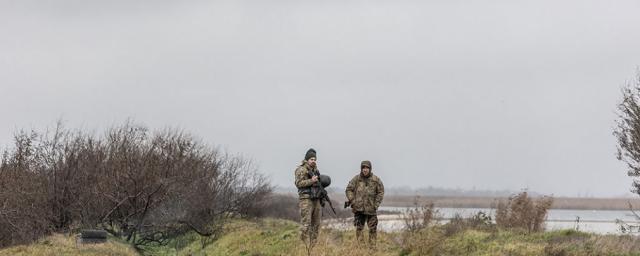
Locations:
column 595, row 221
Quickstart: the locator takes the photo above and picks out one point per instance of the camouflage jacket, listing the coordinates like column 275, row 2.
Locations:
column 365, row 193
column 304, row 172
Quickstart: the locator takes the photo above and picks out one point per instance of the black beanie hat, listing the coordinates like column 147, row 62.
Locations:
column 310, row 153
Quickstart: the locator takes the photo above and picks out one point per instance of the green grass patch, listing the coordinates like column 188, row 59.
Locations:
column 281, row 237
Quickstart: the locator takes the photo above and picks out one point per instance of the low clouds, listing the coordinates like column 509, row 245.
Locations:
column 499, row 95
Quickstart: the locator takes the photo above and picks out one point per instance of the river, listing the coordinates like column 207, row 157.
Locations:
column 594, row 221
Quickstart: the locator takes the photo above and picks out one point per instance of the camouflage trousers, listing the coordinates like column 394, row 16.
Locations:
column 309, row 220
column 359, row 219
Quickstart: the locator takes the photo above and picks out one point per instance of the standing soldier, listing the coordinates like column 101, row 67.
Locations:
column 365, row 192
column 307, row 177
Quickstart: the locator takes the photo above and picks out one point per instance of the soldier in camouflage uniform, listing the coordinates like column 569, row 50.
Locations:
column 365, row 192
column 307, row 181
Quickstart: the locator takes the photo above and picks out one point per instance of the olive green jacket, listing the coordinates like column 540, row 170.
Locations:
column 365, row 193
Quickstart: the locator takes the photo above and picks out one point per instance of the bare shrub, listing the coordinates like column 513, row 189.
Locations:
column 22, row 196
column 144, row 187
column 419, row 216
column 628, row 134
column 629, row 227
column 523, row 212
column 428, row 239
column 628, row 130
column 478, row 221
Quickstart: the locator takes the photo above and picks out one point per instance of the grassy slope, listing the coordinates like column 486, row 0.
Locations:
column 59, row 244
column 279, row 237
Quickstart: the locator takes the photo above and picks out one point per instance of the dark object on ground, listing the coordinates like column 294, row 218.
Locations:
column 92, row 236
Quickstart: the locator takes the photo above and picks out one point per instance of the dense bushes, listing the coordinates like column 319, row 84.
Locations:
column 142, row 186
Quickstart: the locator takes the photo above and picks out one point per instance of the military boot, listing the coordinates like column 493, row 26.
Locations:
column 372, row 240
column 359, row 237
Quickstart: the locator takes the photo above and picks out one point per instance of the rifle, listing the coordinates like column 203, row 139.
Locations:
column 322, row 193
column 326, row 196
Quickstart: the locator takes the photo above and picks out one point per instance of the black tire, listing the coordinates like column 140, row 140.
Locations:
column 93, row 234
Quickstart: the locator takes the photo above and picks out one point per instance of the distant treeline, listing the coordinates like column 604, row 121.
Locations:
column 436, row 191
column 428, row 191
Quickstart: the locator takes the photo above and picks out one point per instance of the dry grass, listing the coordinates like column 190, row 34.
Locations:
column 59, row 244
column 280, row 237
column 276, row 237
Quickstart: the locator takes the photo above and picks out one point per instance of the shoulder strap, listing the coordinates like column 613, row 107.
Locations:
column 312, row 172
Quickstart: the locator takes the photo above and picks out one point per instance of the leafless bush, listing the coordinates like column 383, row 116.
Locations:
column 630, row 227
column 22, row 196
column 628, row 134
column 424, row 240
column 523, row 212
column 628, row 130
column 478, row 221
column 419, row 216
column 141, row 186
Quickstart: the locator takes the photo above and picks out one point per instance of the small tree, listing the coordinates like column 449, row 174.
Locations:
column 628, row 130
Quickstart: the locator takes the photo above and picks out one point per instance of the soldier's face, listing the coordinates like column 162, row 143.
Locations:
column 312, row 161
column 365, row 171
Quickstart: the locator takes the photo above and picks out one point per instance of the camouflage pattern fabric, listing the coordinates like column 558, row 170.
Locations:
column 359, row 220
column 365, row 193
column 310, row 220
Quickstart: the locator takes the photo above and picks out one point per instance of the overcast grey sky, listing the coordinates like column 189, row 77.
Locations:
column 459, row 94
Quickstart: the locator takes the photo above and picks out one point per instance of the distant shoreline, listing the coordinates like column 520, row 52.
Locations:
column 560, row 203
column 567, row 203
